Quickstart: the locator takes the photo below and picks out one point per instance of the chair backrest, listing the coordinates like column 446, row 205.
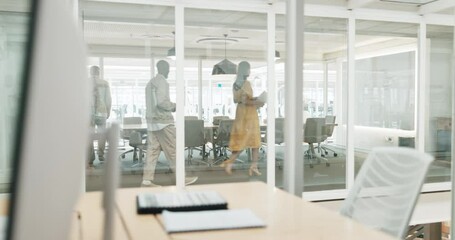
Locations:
column 194, row 133
column 132, row 120
column 386, row 189
column 329, row 128
column 279, row 130
column 135, row 139
column 217, row 119
column 314, row 131
column 224, row 132
column 191, row 118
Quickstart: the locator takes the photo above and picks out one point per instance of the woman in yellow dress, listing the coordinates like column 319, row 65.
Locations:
column 245, row 131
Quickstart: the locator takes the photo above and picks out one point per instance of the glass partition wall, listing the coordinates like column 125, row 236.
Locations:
column 125, row 44
column 438, row 124
column 324, row 143
column 127, row 41
column 225, row 69
column 14, row 36
column 385, row 86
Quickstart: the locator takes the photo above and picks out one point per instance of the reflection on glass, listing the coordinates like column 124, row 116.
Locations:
column 14, row 32
column 385, row 87
column 438, row 123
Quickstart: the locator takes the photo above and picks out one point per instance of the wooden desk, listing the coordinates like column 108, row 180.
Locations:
column 88, row 219
column 286, row 216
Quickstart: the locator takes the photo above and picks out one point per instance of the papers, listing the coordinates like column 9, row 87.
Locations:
column 210, row 220
column 262, row 97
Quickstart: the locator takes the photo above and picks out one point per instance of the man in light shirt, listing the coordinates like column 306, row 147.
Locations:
column 160, row 123
column 101, row 109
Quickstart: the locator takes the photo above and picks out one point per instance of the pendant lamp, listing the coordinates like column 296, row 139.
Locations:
column 225, row 66
column 171, row 51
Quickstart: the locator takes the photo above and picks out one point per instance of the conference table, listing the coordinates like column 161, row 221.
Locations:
column 209, row 131
column 286, row 216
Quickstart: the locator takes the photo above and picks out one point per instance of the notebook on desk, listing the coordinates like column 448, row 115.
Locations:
column 210, row 220
column 179, row 201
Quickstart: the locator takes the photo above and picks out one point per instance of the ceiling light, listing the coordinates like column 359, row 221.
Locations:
column 225, row 66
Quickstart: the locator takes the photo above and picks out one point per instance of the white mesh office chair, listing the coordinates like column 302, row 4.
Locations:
column 386, row 189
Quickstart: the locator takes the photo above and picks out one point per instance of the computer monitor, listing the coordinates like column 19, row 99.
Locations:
column 53, row 138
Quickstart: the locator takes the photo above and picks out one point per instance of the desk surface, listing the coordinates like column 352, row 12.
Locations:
column 286, row 216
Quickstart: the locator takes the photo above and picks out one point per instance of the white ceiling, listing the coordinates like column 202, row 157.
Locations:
column 148, row 30
column 143, row 29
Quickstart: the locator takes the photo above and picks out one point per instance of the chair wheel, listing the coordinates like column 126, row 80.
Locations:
column 335, row 154
column 311, row 165
column 326, row 152
column 123, row 156
column 327, row 164
column 322, row 155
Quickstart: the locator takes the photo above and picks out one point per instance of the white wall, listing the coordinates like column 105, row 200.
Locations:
column 367, row 138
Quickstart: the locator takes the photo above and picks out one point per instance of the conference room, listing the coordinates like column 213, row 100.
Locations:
column 375, row 74
column 127, row 47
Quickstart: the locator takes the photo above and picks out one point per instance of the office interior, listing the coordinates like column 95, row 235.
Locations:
column 399, row 94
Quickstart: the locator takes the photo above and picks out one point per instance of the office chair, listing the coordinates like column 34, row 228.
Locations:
column 191, row 118
column 330, row 121
column 194, row 139
column 314, row 132
column 135, row 139
column 132, row 120
column 221, row 141
column 279, row 134
column 218, row 119
column 386, row 189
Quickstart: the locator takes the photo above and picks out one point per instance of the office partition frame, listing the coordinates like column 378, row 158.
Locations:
column 271, row 100
column 293, row 84
column 452, row 215
column 426, row 16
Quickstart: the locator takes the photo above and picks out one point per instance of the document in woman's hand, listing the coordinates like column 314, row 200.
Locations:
column 262, row 97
